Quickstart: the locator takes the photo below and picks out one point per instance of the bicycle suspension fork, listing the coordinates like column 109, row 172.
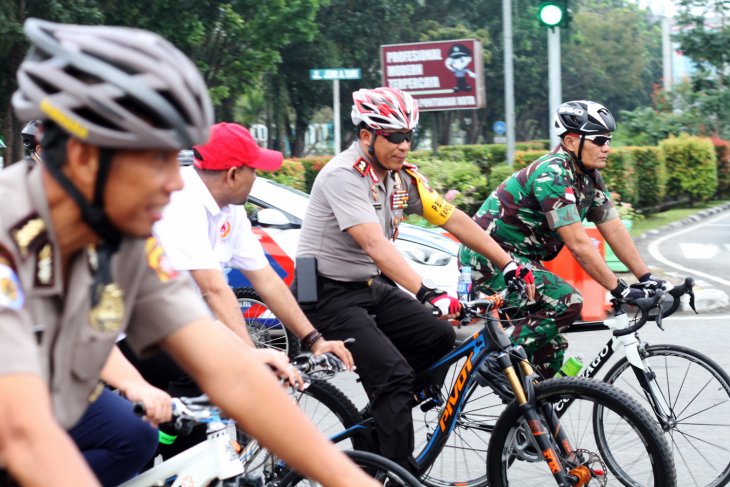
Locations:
column 525, row 396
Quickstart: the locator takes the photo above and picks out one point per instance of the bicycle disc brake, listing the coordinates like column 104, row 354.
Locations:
column 588, row 468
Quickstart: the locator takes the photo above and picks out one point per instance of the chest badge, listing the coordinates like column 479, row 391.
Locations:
column 108, row 313
column 225, row 229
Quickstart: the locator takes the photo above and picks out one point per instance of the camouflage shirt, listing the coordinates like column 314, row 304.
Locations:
column 525, row 211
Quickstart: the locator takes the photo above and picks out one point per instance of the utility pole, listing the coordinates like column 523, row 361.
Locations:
column 509, row 83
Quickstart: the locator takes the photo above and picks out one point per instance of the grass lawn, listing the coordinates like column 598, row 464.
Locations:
column 658, row 220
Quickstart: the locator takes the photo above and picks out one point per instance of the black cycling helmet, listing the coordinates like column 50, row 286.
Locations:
column 113, row 87
column 583, row 117
column 29, row 134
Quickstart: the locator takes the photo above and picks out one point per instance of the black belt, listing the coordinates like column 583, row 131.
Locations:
column 353, row 285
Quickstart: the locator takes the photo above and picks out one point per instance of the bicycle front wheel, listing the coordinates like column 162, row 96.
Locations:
column 697, row 392
column 383, row 470
column 614, row 440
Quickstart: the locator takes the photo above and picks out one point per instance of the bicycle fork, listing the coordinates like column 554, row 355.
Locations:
column 525, row 397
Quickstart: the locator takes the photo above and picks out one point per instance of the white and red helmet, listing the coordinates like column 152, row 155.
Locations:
column 384, row 108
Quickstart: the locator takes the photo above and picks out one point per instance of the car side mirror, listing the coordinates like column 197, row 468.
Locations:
column 271, row 217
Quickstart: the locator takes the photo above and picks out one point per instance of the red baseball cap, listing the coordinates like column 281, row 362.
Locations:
column 232, row 145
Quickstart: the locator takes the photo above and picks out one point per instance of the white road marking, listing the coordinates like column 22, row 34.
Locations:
column 699, row 250
column 654, row 251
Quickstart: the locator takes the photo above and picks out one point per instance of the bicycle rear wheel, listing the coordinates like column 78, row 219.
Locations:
column 611, row 434
column 265, row 329
column 697, row 391
column 380, row 468
column 463, row 459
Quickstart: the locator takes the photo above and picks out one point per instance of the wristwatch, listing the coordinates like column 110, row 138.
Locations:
column 427, row 285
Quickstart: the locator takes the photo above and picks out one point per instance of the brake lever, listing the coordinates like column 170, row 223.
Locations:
column 691, row 294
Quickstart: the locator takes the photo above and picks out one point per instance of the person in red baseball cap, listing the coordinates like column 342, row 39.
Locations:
column 205, row 231
column 232, row 145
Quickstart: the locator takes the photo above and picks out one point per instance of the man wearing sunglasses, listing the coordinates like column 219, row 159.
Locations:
column 357, row 202
column 539, row 209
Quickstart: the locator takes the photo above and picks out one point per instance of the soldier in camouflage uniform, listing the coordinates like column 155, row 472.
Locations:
column 539, row 209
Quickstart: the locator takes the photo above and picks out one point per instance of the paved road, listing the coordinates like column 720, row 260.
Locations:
column 700, row 249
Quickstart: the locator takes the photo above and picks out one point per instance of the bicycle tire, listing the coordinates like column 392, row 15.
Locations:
column 329, row 409
column 607, row 412
column 696, row 405
column 265, row 329
column 382, row 469
column 462, row 461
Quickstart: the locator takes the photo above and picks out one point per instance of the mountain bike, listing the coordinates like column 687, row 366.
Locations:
column 687, row 391
column 222, row 461
column 265, row 329
column 603, row 437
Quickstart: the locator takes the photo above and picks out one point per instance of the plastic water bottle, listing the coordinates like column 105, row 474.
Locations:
column 463, row 286
column 571, row 367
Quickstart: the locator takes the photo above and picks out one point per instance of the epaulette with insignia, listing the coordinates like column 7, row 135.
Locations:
column 28, row 234
column 364, row 168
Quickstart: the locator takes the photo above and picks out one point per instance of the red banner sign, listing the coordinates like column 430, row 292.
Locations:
column 443, row 75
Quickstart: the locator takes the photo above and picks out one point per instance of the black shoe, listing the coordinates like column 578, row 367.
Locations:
column 491, row 375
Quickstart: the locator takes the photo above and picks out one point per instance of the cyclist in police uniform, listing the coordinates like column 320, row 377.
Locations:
column 539, row 209
column 357, row 202
column 77, row 266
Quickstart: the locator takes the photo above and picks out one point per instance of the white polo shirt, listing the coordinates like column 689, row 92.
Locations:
column 198, row 234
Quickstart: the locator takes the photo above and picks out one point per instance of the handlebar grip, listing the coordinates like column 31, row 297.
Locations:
column 138, row 409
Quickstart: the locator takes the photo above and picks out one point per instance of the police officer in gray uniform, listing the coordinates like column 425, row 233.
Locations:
column 78, row 266
column 357, row 202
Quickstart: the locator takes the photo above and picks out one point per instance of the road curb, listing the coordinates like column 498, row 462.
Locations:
column 701, row 215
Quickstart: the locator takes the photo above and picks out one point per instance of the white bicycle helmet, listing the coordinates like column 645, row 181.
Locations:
column 583, row 117
column 113, row 87
column 384, row 108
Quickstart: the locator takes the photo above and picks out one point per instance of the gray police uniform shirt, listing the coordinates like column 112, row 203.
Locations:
column 347, row 192
column 45, row 324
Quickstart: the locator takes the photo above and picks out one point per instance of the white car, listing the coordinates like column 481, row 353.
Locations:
column 277, row 215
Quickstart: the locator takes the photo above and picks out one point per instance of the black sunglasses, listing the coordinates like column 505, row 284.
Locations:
column 396, row 137
column 599, row 140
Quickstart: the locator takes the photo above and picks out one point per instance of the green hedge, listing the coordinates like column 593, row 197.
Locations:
column 691, row 167
column 642, row 176
column 651, row 176
column 620, row 174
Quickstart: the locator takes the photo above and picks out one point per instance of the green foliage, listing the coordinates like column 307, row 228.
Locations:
column 650, row 177
column 620, row 174
column 524, row 158
column 691, row 167
column 456, row 174
column 498, row 174
column 290, row 173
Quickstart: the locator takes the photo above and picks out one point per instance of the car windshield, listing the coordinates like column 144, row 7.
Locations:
column 288, row 200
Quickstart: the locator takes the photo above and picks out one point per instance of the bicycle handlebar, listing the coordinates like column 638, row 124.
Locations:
column 644, row 305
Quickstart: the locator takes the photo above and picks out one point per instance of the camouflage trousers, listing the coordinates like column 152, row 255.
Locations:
column 538, row 325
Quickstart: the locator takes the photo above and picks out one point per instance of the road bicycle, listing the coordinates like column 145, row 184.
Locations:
column 464, row 437
column 228, row 459
column 688, row 392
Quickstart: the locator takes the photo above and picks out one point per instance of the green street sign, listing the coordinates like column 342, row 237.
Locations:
column 329, row 74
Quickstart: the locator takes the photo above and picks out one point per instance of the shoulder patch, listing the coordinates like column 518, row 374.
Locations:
column 158, row 261
column 11, row 294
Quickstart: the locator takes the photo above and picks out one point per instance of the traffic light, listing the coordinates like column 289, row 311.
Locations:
column 554, row 13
